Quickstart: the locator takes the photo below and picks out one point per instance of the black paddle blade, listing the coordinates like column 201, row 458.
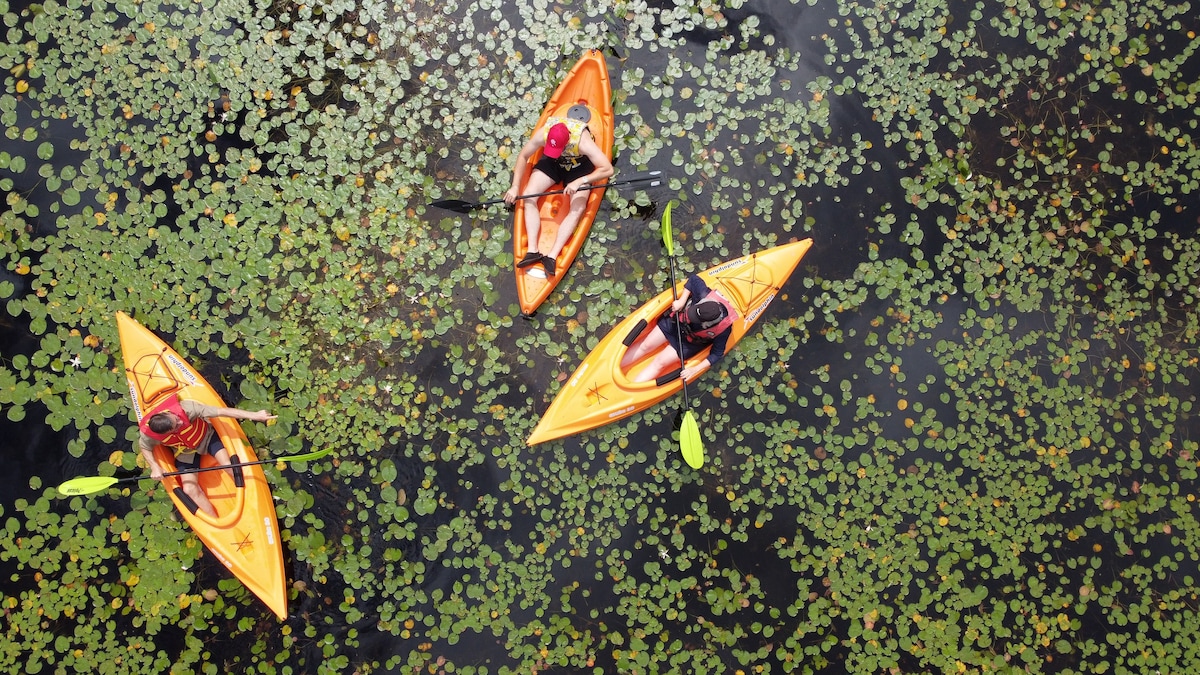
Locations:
column 456, row 205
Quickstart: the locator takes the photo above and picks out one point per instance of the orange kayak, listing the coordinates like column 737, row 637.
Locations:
column 586, row 85
column 601, row 391
column 245, row 534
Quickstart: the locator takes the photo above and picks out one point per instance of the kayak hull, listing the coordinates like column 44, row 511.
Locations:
column 244, row 535
column 600, row 391
column 587, row 84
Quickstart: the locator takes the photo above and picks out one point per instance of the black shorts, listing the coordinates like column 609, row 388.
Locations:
column 563, row 175
column 670, row 331
column 214, row 446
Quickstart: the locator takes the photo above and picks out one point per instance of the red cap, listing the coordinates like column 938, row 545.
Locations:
column 556, row 140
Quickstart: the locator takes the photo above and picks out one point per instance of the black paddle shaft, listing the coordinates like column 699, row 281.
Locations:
column 461, row 206
column 679, row 334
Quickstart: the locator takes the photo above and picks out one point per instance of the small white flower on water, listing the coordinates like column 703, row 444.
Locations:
column 662, row 553
column 76, row 361
column 387, row 388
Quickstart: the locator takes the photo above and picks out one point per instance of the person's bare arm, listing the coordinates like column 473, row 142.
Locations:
column 531, row 146
column 239, row 414
column 156, row 471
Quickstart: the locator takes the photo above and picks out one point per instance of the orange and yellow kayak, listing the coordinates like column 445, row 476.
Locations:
column 601, row 391
column 586, row 85
column 245, row 534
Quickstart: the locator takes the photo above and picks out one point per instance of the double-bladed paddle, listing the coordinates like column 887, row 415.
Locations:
column 460, row 206
column 689, row 433
column 86, row 485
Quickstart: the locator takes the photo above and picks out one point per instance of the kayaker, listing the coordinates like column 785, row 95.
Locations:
column 703, row 316
column 183, row 426
column 571, row 158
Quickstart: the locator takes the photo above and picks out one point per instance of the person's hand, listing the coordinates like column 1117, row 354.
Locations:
column 510, row 197
column 261, row 416
column 688, row 373
column 677, row 306
column 156, row 471
column 574, row 186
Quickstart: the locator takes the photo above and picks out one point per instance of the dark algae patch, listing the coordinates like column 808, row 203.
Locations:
column 962, row 440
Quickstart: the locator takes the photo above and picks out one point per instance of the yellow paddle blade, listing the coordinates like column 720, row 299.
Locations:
column 86, row 485
column 667, row 237
column 689, row 441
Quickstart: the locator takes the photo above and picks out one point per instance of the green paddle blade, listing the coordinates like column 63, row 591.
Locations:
column 315, row 454
column 86, row 485
column 666, row 229
column 689, row 441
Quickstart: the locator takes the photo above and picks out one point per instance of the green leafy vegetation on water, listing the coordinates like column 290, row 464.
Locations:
column 965, row 443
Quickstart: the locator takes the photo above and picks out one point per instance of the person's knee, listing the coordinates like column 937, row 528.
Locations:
column 194, row 491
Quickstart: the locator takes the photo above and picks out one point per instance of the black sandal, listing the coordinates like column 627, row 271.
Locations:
column 529, row 259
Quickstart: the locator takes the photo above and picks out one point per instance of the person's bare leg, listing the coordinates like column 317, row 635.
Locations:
column 653, row 342
column 538, row 182
column 567, row 227
column 222, row 457
column 666, row 360
column 191, row 483
column 191, row 488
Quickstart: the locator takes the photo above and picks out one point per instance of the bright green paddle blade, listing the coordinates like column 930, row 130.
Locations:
column 668, row 239
column 689, row 441
column 86, row 485
column 315, row 454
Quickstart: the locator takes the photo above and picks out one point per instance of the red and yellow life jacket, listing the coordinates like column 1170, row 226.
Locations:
column 708, row 333
column 182, row 441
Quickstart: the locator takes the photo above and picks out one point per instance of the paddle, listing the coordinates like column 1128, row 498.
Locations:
column 86, row 485
column 460, row 206
column 689, row 433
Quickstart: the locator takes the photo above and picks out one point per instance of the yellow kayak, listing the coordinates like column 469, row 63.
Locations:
column 601, row 391
column 586, row 85
column 245, row 534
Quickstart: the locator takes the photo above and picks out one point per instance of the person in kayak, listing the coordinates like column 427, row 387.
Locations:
column 571, row 158
column 183, row 426
column 702, row 316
